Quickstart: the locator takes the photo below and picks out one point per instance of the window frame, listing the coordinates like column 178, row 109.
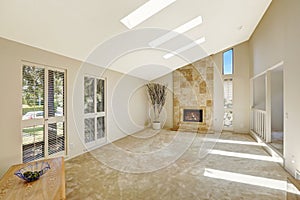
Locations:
column 224, row 77
column 95, row 115
column 46, row 120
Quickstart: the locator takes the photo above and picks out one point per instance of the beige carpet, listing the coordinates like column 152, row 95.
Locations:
column 168, row 165
column 277, row 141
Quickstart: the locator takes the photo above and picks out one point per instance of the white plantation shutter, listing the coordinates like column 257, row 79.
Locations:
column 33, row 140
column 43, row 103
column 56, row 130
column 33, row 144
column 56, row 137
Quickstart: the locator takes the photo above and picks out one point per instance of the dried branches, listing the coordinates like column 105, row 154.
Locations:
column 157, row 94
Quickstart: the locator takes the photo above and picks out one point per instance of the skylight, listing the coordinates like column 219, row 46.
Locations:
column 179, row 30
column 184, row 48
column 144, row 12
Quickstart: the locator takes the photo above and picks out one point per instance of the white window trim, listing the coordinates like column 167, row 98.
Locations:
column 229, row 76
column 98, row 142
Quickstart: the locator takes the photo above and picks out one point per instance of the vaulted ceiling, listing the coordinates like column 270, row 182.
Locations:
column 77, row 29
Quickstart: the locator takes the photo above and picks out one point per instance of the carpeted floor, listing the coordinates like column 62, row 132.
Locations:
column 277, row 141
column 177, row 165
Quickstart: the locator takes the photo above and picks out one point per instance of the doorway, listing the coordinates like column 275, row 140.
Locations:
column 277, row 111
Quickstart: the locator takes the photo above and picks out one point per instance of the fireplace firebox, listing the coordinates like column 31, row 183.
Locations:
column 192, row 115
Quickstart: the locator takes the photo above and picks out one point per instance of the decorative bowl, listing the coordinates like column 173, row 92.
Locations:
column 33, row 172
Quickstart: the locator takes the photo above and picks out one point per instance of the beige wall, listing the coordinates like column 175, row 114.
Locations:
column 241, row 86
column 277, row 39
column 259, row 92
column 267, row 45
column 277, row 100
column 291, row 86
column 129, row 95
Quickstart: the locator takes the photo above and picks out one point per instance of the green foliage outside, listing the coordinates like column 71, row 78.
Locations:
column 33, row 85
column 33, row 89
column 31, row 109
column 33, row 130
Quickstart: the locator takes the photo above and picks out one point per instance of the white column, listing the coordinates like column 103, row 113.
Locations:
column 251, row 104
column 268, row 106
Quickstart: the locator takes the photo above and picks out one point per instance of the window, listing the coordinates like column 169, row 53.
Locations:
column 228, row 88
column 228, row 94
column 228, row 62
column 43, row 108
column 94, row 111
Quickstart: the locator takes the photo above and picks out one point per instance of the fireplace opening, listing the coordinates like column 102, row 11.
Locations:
column 193, row 115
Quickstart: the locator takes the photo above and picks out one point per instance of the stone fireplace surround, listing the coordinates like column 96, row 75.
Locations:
column 193, row 89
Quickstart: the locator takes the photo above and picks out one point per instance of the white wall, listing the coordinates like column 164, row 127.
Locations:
column 241, row 86
column 277, row 39
column 124, row 91
column 291, row 86
column 277, row 100
column 259, row 92
column 267, row 45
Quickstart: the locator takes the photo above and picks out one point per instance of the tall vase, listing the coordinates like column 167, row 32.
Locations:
column 156, row 120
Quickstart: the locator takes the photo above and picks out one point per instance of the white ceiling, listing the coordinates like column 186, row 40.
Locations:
column 78, row 28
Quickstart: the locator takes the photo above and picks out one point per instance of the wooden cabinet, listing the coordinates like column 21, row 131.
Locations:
column 50, row 186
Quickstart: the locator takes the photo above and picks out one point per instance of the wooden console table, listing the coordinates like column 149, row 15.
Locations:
column 50, row 186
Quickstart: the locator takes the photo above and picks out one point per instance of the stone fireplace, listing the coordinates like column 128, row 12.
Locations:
column 193, row 96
